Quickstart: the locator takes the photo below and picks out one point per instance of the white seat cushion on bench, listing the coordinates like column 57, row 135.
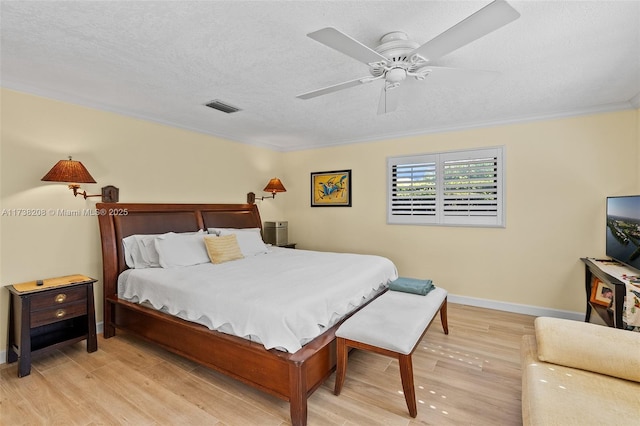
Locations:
column 394, row 321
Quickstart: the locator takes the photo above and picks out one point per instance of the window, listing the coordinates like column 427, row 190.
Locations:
column 449, row 188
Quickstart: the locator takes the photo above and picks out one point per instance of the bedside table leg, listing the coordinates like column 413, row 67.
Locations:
column 92, row 339
column 24, row 365
column 24, row 345
column 12, row 356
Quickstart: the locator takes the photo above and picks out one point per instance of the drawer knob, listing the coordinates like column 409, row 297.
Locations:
column 61, row 298
column 60, row 313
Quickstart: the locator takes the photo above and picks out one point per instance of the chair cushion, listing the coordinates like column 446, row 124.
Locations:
column 394, row 321
column 589, row 347
column 558, row 395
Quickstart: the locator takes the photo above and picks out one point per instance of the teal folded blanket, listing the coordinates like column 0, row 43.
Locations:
column 412, row 285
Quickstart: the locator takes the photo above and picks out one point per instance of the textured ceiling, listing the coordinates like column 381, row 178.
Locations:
column 162, row 61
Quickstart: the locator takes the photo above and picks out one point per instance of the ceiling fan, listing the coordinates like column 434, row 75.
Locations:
column 397, row 57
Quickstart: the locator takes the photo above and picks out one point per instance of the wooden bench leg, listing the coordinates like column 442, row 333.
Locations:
column 341, row 365
column 443, row 317
column 406, row 373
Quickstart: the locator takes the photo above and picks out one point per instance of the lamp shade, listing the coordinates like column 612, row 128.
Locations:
column 69, row 171
column 274, row 186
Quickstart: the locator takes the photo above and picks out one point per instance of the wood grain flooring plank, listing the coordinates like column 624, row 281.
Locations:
column 228, row 408
column 42, row 399
column 150, row 397
column 94, row 403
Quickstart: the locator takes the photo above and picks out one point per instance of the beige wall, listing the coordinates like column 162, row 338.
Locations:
column 638, row 148
column 558, row 174
column 147, row 161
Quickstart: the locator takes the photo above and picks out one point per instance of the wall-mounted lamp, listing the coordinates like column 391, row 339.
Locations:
column 274, row 186
column 74, row 173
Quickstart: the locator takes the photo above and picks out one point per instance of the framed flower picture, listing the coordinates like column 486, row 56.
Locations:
column 331, row 189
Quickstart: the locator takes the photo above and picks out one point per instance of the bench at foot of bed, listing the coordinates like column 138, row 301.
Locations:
column 391, row 325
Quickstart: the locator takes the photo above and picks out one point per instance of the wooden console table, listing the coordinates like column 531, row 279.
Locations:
column 49, row 314
column 612, row 314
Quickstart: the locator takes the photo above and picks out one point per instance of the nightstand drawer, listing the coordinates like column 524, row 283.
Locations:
column 58, row 313
column 58, row 298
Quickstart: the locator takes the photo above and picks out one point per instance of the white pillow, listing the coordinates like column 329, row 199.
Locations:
column 140, row 250
column 249, row 239
column 148, row 251
column 217, row 231
column 131, row 251
column 176, row 250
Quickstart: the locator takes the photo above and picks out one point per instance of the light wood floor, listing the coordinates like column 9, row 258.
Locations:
column 470, row 377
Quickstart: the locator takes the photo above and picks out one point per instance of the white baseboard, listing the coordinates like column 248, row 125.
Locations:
column 516, row 308
column 536, row 311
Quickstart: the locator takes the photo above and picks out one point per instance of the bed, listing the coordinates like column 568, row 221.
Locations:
column 291, row 376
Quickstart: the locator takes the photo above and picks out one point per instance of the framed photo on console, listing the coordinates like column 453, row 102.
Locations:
column 331, row 189
column 601, row 294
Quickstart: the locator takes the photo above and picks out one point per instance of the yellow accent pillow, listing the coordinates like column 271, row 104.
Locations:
column 223, row 249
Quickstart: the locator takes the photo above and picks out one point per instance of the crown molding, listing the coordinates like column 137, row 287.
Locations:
column 83, row 102
column 633, row 103
column 599, row 109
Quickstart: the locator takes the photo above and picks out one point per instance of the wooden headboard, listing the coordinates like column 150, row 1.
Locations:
column 119, row 220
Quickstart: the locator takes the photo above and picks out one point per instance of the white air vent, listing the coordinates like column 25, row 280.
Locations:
column 221, row 106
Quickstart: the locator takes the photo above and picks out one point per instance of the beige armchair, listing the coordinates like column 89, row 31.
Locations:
column 576, row 373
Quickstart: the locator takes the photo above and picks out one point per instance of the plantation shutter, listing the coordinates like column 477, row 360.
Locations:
column 451, row 188
column 472, row 188
column 413, row 182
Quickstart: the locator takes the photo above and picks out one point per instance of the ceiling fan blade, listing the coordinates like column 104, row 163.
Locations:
column 349, row 46
column 459, row 77
column 335, row 88
column 388, row 99
column 491, row 17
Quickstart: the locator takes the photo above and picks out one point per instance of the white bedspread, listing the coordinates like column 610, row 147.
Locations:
column 282, row 299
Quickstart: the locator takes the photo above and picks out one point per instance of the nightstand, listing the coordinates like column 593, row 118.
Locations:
column 289, row 245
column 45, row 317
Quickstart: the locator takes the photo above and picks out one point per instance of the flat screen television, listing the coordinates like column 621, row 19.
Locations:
column 623, row 229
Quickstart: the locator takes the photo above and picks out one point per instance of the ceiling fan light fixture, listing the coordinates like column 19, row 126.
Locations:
column 396, row 75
